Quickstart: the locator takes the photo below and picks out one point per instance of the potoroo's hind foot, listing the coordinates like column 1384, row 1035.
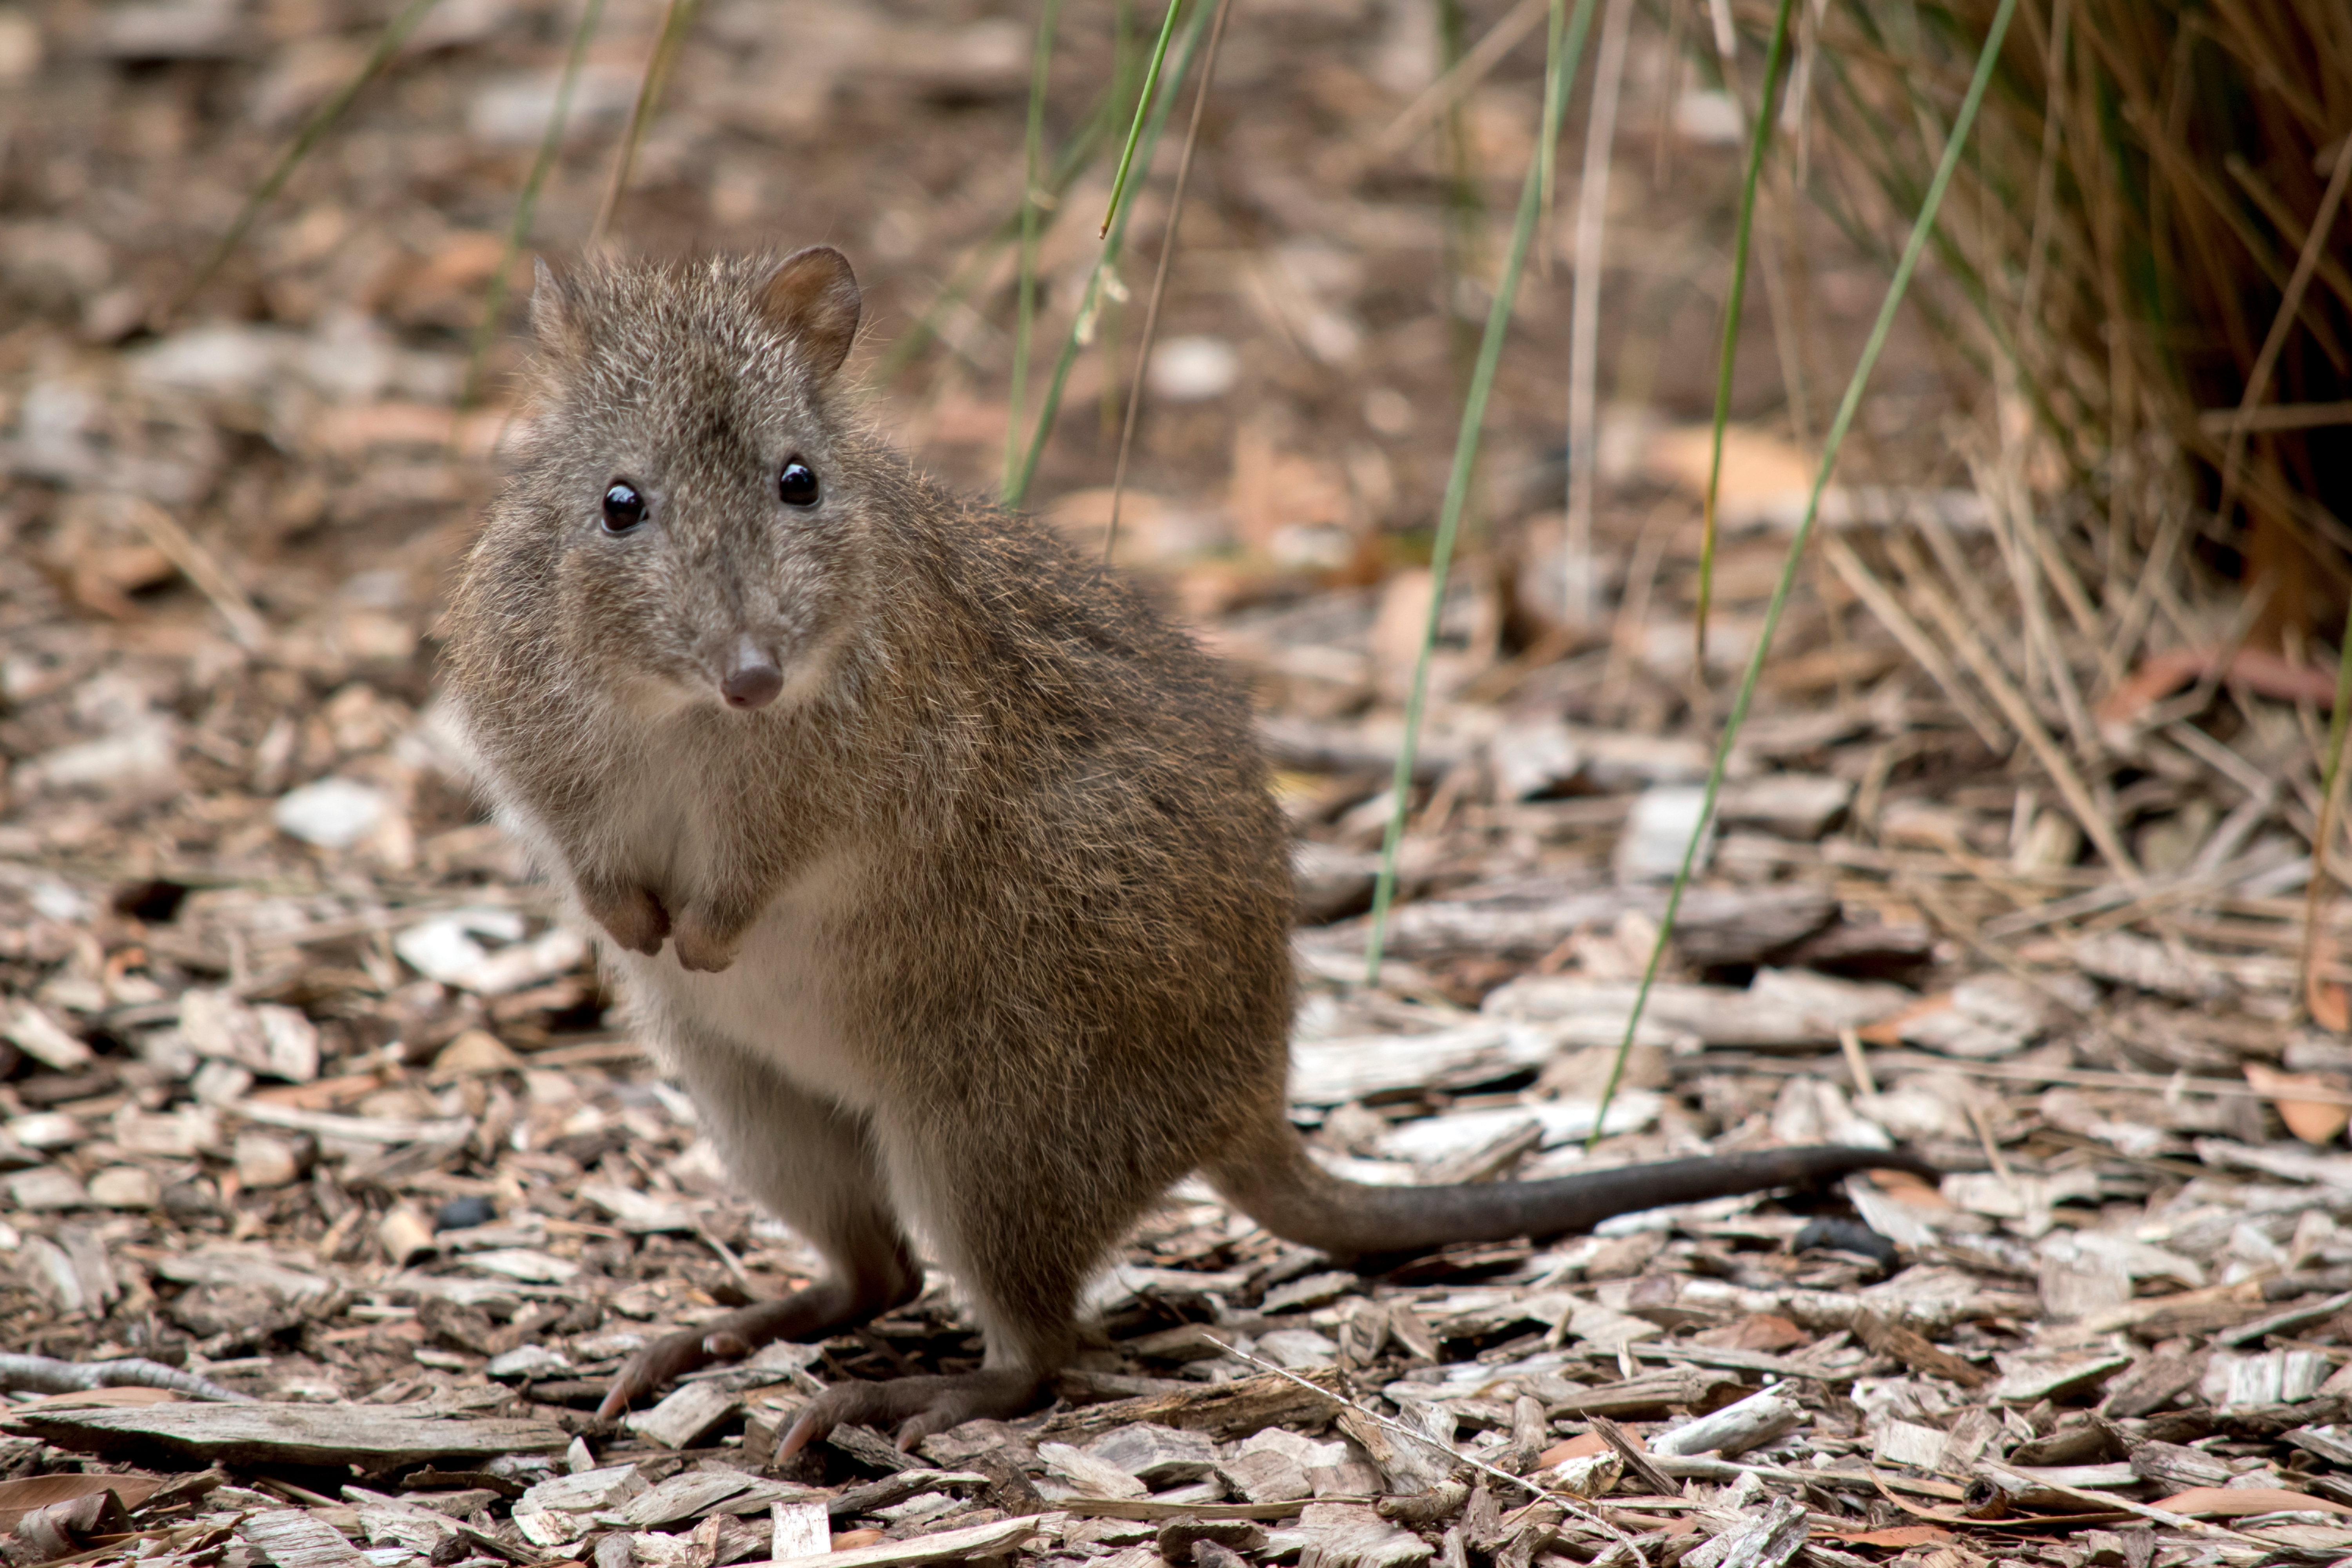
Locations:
column 809, row 1314
column 916, row 1406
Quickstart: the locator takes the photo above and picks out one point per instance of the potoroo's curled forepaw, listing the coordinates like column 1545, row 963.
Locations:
column 704, row 943
column 631, row 915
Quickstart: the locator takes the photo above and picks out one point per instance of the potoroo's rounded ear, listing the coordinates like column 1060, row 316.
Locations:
column 556, row 310
column 812, row 297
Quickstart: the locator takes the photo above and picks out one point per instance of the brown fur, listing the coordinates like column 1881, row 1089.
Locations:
column 982, row 926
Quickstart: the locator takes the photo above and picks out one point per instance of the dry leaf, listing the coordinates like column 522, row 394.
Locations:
column 2313, row 1120
column 2266, row 674
column 21, row 1496
column 1888, row 1031
column 2235, row 1503
column 1896, row 1537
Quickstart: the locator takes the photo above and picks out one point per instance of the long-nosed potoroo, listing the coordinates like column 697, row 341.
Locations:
column 939, row 866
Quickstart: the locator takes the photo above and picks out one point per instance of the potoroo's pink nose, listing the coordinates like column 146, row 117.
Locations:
column 752, row 678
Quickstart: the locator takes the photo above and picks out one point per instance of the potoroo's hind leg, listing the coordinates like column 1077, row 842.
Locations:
column 1020, row 1233
column 812, row 1165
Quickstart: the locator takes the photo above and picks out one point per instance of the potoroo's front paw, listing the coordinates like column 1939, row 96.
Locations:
column 631, row 915
column 703, row 943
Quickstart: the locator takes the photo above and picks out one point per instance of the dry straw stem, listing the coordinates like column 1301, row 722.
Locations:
column 1962, row 636
column 2274, row 416
column 396, row 33
column 1882, row 602
column 980, row 256
column 2010, row 506
column 1565, row 50
column 1760, row 140
column 1435, row 101
column 1159, row 278
column 201, row 567
column 1584, row 326
column 1914, row 247
column 2160, row 169
column 551, row 142
column 1026, row 287
column 1082, row 324
column 2331, row 798
column 678, row 20
column 2290, row 306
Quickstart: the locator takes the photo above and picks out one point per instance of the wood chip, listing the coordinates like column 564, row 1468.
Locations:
column 1350, row 1535
column 686, row 1415
column 374, row 1436
column 946, row 1546
column 292, row 1538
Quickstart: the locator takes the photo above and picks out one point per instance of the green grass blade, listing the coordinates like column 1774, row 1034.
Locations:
column 1160, row 283
column 1899, row 285
column 1040, row 71
column 1091, row 301
column 323, row 120
column 1142, row 107
column 1560, row 70
column 1757, row 144
column 1555, row 105
column 677, row 22
column 1069, row 164
column 494, row 302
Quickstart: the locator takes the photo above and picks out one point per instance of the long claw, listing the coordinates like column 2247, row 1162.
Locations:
column 913, row 1408
column 662, row 1361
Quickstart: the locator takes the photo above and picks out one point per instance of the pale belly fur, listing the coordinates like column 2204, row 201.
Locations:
column 774, row 1003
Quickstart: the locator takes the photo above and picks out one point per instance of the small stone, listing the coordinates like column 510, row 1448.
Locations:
column 445, row 948
column 1657, row 832
column 220, row 1083
column 264, row 1159
column 333, row 814
column 464, row 1214
column 1194, row 369
column 126, row 1187
column 1533, row 760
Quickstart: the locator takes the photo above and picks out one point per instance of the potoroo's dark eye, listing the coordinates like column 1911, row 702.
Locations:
column 624, row 507
column 797, row 484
